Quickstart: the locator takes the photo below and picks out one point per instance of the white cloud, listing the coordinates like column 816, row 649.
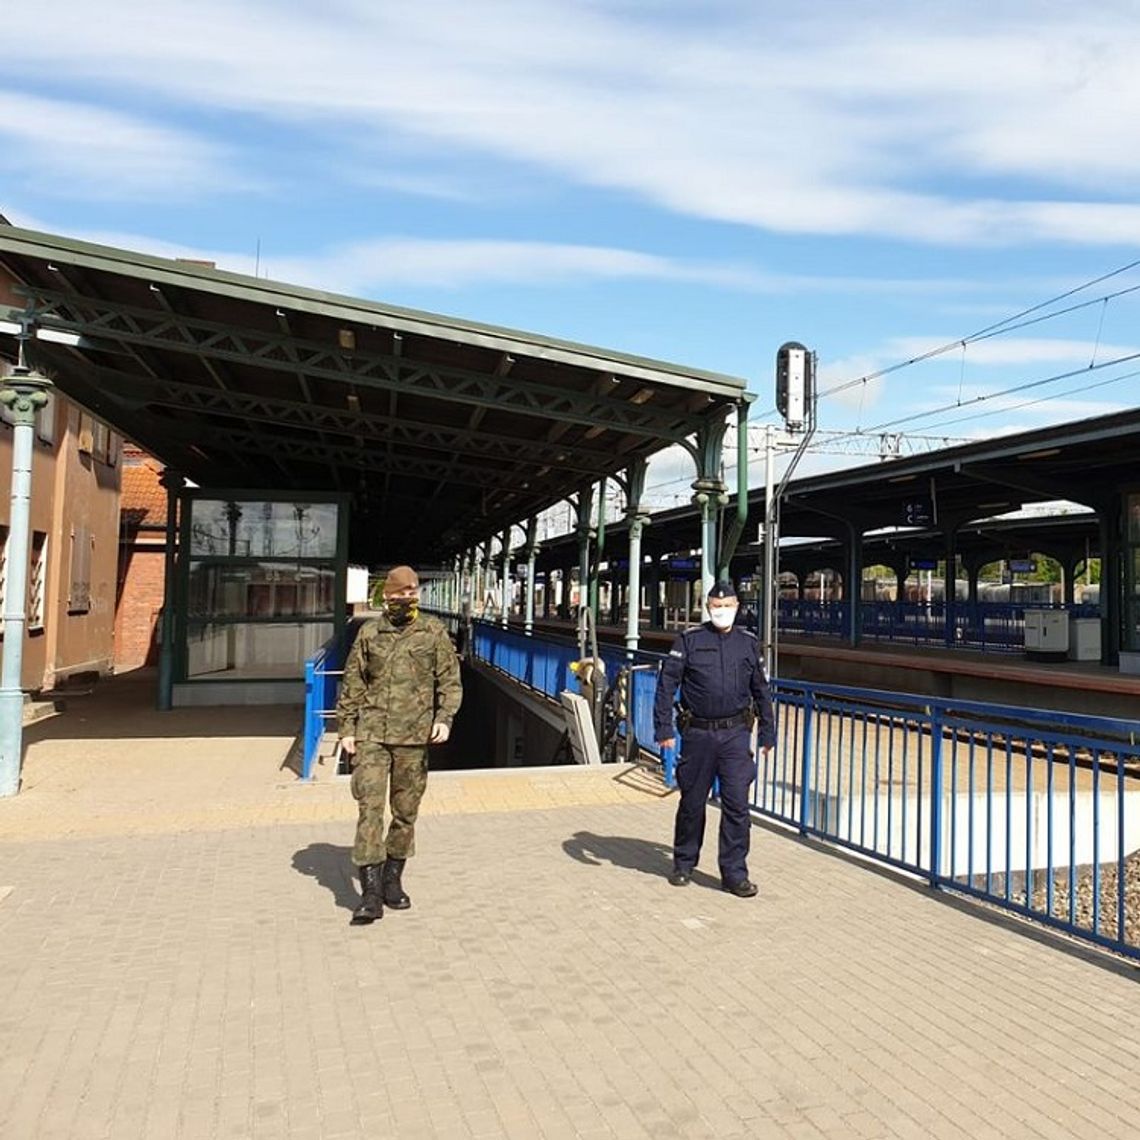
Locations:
column 845, row 120
column 370, row 267
column 367, row 267
column 378, row 264
column 54, row 147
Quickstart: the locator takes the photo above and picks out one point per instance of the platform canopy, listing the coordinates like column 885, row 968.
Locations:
column 957, row 489
column 443, row 431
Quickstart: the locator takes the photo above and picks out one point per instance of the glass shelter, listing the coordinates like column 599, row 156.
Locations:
column 261, row 585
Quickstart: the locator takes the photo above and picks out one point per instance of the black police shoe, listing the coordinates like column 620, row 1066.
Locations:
column 680, row 878
column 745, row 889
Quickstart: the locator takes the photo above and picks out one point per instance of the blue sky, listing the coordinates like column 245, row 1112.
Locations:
column 691, row 181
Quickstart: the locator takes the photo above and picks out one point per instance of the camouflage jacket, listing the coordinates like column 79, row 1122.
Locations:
column 397, row 683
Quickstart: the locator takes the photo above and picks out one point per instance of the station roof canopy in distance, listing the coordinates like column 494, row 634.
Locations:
column 443, row 431
column 956, row 488
column 1086, row 461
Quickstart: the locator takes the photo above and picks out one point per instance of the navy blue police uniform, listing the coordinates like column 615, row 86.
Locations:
column 723, row 688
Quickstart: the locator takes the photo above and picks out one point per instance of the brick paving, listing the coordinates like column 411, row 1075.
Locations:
column 178, row 963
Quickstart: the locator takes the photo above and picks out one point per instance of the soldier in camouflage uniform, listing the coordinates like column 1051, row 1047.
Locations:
column 400, row 693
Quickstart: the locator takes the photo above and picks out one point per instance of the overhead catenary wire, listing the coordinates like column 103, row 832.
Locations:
column 1083, row 371
column 1009, row 324
column 1042, row 399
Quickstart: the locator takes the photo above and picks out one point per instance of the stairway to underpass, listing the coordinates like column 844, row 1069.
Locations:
column 500, row 724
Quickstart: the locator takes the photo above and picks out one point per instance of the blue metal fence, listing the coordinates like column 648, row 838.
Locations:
column 322, row 682
column 990, row 626
column 1033, row 811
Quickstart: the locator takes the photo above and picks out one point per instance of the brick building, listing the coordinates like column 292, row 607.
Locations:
column 142, row 548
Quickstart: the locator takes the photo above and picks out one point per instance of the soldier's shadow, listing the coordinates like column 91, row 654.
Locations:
column 642, row 855
column 332, row 867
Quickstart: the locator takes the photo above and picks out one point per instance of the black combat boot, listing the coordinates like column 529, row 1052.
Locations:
column 371, row 906
column 390, row 884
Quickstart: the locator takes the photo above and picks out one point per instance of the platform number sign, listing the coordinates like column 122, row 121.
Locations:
column 918, row 512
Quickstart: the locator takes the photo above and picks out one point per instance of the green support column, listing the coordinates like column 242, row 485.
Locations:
column 596, row 566
column 635, row 488
column 531, row 551
column 709, row 495
column 585, row 506
column 173, row 481
column 23, row 393
column 505, row 582
column 853, row 585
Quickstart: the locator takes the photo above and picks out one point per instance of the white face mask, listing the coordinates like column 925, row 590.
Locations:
column 722, row 618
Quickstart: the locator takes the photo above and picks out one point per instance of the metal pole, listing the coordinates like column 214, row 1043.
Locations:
column 633, row 614
column 596, row 570
column 173, row 482
column 708, row 497
column 770, row 592
column 531, row 555
column 23, row 394
column 585, row 511
column 505, row 601
column 528, row 619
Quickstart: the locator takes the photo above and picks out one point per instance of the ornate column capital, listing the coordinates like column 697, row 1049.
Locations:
column 23, row 392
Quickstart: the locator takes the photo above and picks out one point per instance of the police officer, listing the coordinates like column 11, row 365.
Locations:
column 400, row 692
column 723, row 692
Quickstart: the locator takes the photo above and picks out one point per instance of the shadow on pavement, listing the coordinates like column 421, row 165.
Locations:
column 622, row 851
column 332, row 867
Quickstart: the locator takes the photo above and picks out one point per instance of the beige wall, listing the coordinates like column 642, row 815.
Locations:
column 75, row 499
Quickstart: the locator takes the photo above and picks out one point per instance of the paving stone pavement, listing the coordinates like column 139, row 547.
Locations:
column 178, row 963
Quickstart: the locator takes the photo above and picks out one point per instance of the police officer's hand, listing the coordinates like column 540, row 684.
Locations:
column 670, row 743
column 348, row 743
column 439, row 734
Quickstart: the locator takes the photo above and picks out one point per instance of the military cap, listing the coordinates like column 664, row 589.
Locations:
column 723, row 590
column 400, row 578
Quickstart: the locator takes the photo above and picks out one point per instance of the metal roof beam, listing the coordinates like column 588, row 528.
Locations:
column 132, row 391
column 303, row 450
column 92, row 317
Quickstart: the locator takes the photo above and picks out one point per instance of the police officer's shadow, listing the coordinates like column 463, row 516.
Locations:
column 331, row 866
column 622, row 851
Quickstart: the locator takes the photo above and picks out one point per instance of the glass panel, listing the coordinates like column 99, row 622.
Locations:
column 252, row 651
column 1135, row 583
column 263, row 530
column 260, row 589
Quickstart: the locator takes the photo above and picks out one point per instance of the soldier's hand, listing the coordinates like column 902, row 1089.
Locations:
column 669, row 743
column 348, row 743
column 439, row 734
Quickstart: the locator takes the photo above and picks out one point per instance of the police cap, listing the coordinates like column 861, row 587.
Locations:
column 723, row 590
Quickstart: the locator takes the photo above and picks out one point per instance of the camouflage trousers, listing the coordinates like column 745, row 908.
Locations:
column 383, row 775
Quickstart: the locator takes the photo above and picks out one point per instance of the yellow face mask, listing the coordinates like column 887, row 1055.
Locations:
column 401, row 611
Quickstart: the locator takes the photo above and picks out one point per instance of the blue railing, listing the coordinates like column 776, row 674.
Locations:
column 542, row 664
column 1034, row 811
column 990, row 626
column 322, row 682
